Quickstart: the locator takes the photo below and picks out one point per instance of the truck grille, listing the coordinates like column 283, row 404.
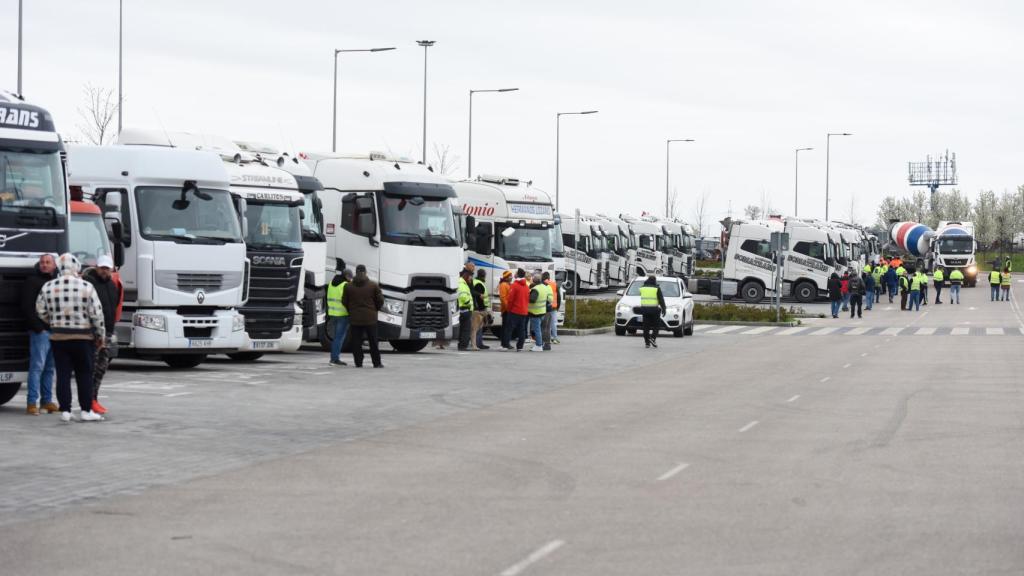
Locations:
column 190, row 282
column 13, row 326
column 270, row 309
column 428, row 314
column 956, row 261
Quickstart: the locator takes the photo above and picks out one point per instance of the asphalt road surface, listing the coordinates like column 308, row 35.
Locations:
column 887, row 445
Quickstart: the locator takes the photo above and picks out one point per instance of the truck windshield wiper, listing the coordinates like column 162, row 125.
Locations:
column 268, row 246
column 416, row 235
column 450, row 241
column 214, row 239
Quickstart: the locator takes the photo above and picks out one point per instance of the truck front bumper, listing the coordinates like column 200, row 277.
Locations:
column 160, row 331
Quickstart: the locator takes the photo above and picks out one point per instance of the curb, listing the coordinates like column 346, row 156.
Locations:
column 742, row 323
column 585, row 331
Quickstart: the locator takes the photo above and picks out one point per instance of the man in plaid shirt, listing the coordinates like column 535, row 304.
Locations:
column 72, row 309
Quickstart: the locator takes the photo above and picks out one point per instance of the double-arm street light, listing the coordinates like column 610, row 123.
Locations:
column 558, row 144
column 426, row 44
column 469, row 161
column 828, row 142
column 334, row 121
column 796, row 182
column 668, row 148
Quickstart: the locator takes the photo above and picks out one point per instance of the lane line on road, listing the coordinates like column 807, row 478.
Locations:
column 858, row 331
column 847, row 365
column 960, row 331
column 700, row 327
column 823, row 331
column 893, row 331
column 794, row 330
column 725, row 329
column 863, row 354
column 759, row 330
column 993, row 331
column 673, row 472
column 825, row 379
column 925, row 331
column 749, row 426
column 534, row 557
column 794, row 398
column 176, row 394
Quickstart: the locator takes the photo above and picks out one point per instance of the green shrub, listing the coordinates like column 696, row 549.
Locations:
column 984, row 260
column 737, row 313
column 592, row 313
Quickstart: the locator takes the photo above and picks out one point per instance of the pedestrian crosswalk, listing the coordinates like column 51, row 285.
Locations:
column 715, row 329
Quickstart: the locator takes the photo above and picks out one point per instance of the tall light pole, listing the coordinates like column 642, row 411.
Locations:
column 426, row 44
column 120, row 61
column 558, row 144
column 20, row 6
column 469, row 161
column 828, row 142
column 668, row 148
column 796, row 182
column 334, row 119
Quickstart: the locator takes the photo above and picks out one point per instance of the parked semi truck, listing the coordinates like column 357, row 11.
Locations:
column 650, row 241
column 621, row 243
column 33, row 221
column 584, row 255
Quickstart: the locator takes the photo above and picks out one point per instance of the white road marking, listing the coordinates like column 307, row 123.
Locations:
column 824, row 331
column 994, row 331
column 725, row 329
column 847, row 365
column 749, row 426
column 759, row 330
column 791, row 331
column 794, row 398
column 960, row 331
column 825, row 379
column 926, row 331
column 176, row 394
column 534, row 557
column 700, row 327
column 972, row 308
column 320, row 373
column 891, row 332
column 673, row 472
column 858, row 331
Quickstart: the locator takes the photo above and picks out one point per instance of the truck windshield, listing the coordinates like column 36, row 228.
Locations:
column 557, row 246
column 956, row 245
column 313, row 223
column 647, row 241
column 417, row 221
column 88, row 238
column 32, row 189
column 272, row 227
column 525, row 244
column 164, row 214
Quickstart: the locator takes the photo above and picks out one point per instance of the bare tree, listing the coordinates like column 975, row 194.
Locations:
column 445, row 161
column 673, row 204
column 98, row 115
column 752, row 211
column 700, row 213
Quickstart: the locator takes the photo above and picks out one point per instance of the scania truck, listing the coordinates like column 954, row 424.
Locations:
column 396, row 218
column 33, row 221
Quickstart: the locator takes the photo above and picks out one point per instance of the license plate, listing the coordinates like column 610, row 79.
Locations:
column 428, row 335
column 200, row 342
column 264, row 344
column 6, row 376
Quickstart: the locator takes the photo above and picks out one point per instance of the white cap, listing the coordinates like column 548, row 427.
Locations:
column 105, row 261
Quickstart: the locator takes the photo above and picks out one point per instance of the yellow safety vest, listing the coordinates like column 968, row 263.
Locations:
column 867, row 267
column 956, row 277
column 465, row 295
column 1006, row 278
column 540, row 307
column 994, row 277
column 939, row 276
column 649, row 296
column 334, row 296
column 487, row 293
column 901, row 271
column 915, row 283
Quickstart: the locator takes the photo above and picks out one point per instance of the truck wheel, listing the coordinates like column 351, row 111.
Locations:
column 408, row 346
column 805, row 292
column 245, row 356
column 183, row 360
column 8, row 390
column 752, row 292
column 620, row 330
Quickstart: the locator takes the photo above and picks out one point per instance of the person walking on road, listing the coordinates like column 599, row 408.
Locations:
column 519, row 309
column 481, row 309
column 109, row 292
column 75, row 315
column 1005, row 280
column 857, row 291
column 956, row 280
column 363, row 299
column 337, row 313
column 924, row 283
column 917, row 281
column 870, row 288
column 652, row 307
column 835, row 293
column 844, row 284
column 892, row 282
column 40, row 356
column 939, row 277
column 465, row 302
column 540, row 302
column 553, row 315
column 994, row 280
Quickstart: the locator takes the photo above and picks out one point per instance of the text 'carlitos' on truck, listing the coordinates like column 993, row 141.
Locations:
column 185, row 271
column 33, row 221
column 953, row 247
column 508, row 225
column 396, row 218
column 585, row 257
column 650, row 240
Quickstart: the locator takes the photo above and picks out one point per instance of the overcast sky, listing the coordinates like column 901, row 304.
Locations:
column 750, row 81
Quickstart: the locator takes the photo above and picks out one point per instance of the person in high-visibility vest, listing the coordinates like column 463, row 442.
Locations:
column 939, row 278
column 540, row 302
column 481, row 308
column 994, row 279
column 1005, row 280
column 917, row 280
column 1008, row 266
column 956, row 280
column 904, row 291
column 553, row 314
column 337, row 313
column 652, row 307
column 465, row 303
column 876, row 274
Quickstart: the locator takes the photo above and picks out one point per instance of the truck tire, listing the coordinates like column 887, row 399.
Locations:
column 408, row 346
column 620, row 330
column 752, row 292
column 245, row 356
column 805, row 292
column 8, row 390
column 183, row 360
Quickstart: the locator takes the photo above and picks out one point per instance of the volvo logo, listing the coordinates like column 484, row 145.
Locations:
column 200, row 296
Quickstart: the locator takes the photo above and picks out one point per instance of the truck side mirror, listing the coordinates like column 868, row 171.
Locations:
column 484, row 234
column 470, row 232
column 243, row 218
column 118, row 254
column 112, row 200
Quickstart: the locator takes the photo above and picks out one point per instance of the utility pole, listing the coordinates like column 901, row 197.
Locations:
column 20, row 9
column 120, row 61
column 426, row 44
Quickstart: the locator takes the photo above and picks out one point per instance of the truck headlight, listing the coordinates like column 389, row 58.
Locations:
column 150, row 321
column 237, row 323
column 453, row 308
column 972, row 269
column 393, row 307
column 320, row 305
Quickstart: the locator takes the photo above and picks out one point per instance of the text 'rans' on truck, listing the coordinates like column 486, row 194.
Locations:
column 396, row 218
column 585, row 257
column 953, row 247
column 33, row 221
column 508, row 226
column 184, row 272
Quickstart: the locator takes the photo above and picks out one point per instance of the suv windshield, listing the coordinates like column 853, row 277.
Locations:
column 669, row 288
column 313, row 223
column 962, row 245
column 31, row 184
column 417, row 221
column 557, row 246
column 165, row 215
column 525, row 244
column 88, row 238
column 272, row 227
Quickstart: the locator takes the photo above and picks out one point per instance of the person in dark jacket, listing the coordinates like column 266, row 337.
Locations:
column 870, row 288
column 856, row 289
column 892, row 281
column 835, row 293
column 363, row 299
column 109, row 292
column 652, row 306
column 40, row 363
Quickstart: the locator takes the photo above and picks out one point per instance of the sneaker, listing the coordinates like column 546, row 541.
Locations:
column 32, row 410
column 65, row 416
column 378, row 365
column 337, row 363
column 90, row 416
column 50, row 408
column 537, row 349
column 98, row 408
column 647, row 345
column 483, row 347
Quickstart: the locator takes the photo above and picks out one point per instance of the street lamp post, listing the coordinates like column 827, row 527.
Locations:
column 334, row 116
column 120, row 61
column 796, row 182
column 558, row 145
column 828, row 142
column 20, row 6
column 426, row 44
column 667, row 150
column 469, row 161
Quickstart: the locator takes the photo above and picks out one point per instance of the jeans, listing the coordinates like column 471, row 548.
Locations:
column 891, row 292
column 1006, row 293
column 846, row 301
column 40, row 368
column 835, row 307
column 870, row 298
column 545, row 330
column 517, row 329
column 954, row 293
column 554, row 324
column 370, row 333
column 340, row 331
column 938, row 292
column 74, row 356
column 535, row 330
column 915, row 300
column 506, row 329
column 995, row 292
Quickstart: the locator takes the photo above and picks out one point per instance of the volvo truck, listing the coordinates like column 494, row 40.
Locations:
column 395, row 217
column 650, row 259
column 33, row 221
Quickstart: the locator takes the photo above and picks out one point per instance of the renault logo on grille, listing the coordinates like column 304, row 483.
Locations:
column 428, row 307
column 200, row 296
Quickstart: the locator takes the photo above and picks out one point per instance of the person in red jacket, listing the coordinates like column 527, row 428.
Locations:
column 518, row 310
column 845, row 284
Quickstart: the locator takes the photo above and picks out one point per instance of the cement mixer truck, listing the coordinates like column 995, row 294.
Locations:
column 953, row 247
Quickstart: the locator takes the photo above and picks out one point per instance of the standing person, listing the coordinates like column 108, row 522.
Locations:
column 481, row 308
column 337, row 313
column 519, row 309
column 1008, row 265
column 545, row 323
column 892, row 282
column 553, row 315
column 504, row 287
column 465, row 302
column 75, row 315
column 1005, row 281
column 870, row 288
column 363, row 299
column 876, row 274
column 109, row 293
column 939, row 277
column 994, row 279
column 540, row 300
column 857, row 291
column 652, row 306
column 835, row 293
column 924, row 284
column 40, row 358
column 956, row 280
column 917, row 281
column 904, row 291
column 844, row 284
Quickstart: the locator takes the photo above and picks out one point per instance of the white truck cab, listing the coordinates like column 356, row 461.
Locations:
column 621, row 244
column 584, row 256
column 650, row 241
